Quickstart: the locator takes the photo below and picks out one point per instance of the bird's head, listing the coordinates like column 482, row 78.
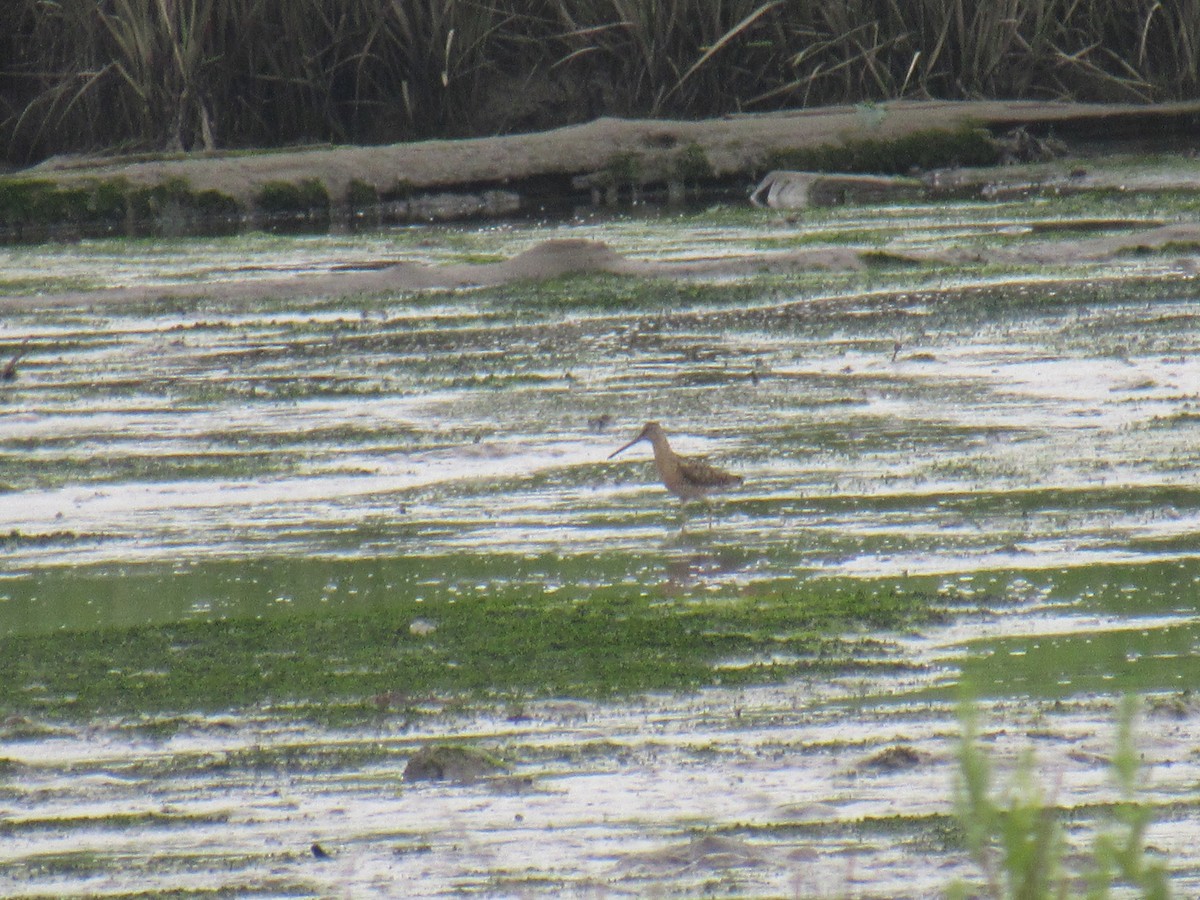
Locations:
column 651, row 432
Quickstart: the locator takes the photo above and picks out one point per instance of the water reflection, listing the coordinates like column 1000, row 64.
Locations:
column 685, row 574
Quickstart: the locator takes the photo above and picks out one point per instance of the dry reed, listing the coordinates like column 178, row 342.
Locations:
column 154, row 74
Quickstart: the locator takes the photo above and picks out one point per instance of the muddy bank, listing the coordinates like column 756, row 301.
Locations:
column 604, row 161
column 731, row 146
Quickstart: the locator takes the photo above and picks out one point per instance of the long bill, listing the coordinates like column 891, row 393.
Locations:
column 626, row 447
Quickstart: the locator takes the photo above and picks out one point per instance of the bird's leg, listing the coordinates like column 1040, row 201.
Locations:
column 708, row 509
column 682, row 516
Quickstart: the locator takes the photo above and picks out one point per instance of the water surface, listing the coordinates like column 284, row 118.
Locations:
column 1021, row 444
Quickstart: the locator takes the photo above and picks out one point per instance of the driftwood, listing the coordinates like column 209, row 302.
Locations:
column 605, row 151
column 796, row 190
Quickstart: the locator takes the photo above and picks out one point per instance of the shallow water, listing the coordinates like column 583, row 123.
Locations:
column 1029, row 453
column 761, row 792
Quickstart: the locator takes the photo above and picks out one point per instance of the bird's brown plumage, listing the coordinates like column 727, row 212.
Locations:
column 689, row 479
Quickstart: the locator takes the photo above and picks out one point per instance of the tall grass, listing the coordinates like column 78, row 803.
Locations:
column 198, row 73
column 82, row 74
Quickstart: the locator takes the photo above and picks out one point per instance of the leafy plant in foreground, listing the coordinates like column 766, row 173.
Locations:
column 1019, row 844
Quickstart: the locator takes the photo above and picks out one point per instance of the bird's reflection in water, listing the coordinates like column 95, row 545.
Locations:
column 683, row 573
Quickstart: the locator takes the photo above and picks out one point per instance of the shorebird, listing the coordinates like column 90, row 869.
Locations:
column 687, row 479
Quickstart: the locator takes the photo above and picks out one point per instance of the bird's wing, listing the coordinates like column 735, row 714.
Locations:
column 699, row 472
